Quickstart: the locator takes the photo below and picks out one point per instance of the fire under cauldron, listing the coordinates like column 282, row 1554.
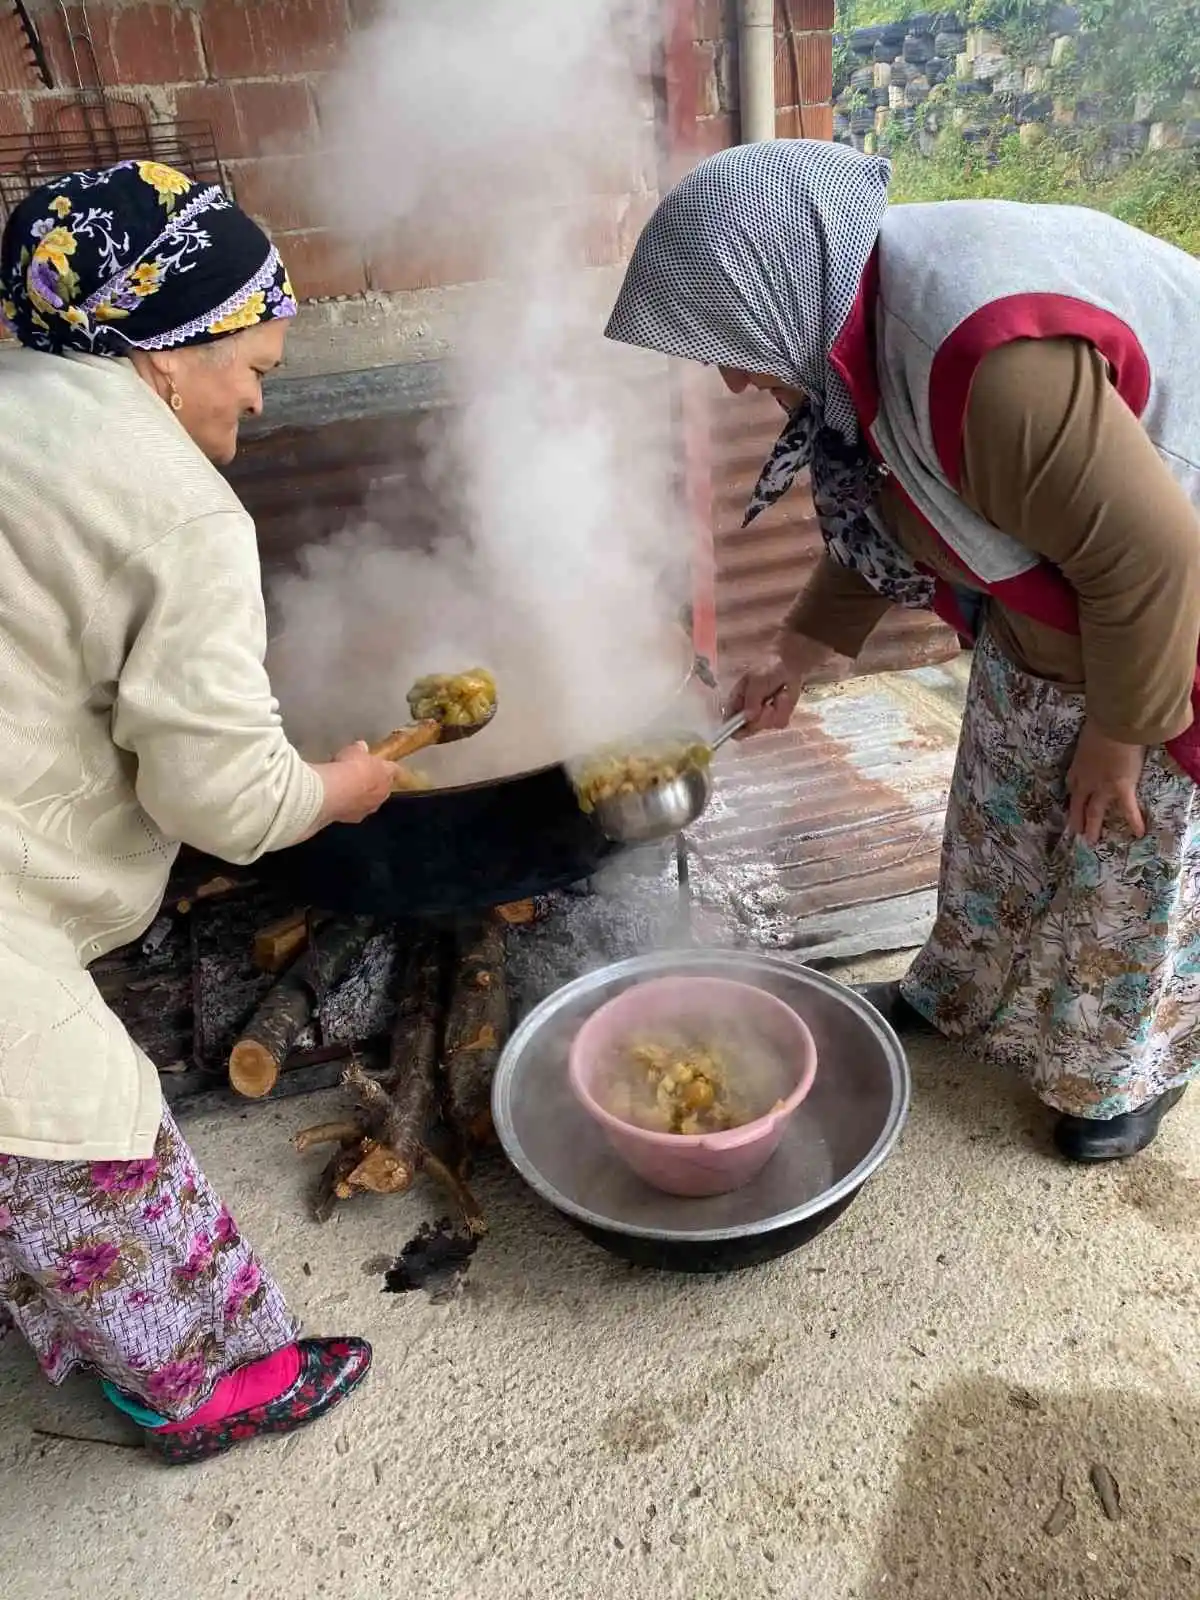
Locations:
column 326, row 449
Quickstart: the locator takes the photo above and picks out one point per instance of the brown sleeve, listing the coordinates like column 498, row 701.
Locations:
column 837, row 607
column 1054, row 457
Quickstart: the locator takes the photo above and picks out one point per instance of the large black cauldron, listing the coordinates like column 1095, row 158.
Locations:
column 450, row 851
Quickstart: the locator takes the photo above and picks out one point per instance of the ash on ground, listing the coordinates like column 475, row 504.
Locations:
column 363, row 1006
column 635, row 906
column 435, row 1259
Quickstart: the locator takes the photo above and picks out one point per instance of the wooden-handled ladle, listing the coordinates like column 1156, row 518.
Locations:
column 424, row 734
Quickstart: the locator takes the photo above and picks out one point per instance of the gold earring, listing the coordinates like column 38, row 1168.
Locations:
column 176, row 397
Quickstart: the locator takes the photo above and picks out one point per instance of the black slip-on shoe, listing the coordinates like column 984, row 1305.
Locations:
column 1090, row 1139
column 894, row 1008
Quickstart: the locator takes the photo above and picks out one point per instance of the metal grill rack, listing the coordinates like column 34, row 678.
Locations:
column 29, row 160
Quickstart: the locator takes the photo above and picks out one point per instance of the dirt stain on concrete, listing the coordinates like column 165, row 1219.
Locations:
column 1161, row 1192
column 652, row 1422
column 999, row 1500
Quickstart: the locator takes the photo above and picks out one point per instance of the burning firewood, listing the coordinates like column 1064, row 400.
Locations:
column 522, row 913
column 476, row 1028
column 213, row 889
column 386, row 1147
column 257, row 1058
column 278, row 944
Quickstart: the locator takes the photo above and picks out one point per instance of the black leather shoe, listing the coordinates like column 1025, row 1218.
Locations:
column 1090, row 1139
column 894, row 1008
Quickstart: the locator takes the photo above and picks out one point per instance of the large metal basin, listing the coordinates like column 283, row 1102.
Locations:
column 844, row 1131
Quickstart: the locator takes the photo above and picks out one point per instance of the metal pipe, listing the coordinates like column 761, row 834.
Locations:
column 756, row 75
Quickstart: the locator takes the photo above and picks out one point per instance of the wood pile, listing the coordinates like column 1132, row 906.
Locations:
column 430, row 1112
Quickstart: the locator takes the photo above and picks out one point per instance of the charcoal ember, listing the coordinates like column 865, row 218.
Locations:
column 155, row 1004
column 435, row 1259
column 228, row 986
column 363, row 1006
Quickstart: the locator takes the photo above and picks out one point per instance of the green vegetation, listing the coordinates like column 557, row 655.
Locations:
column 1159, row 192
column 1133, row 53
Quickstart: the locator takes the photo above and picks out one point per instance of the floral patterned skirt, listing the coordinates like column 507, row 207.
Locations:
column 135, row 1270
column 1078, row 967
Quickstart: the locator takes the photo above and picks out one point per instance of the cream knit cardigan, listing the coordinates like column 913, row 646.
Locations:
column 135, row 713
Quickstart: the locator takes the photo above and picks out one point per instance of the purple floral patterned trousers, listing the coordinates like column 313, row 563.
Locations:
column 135, row 1270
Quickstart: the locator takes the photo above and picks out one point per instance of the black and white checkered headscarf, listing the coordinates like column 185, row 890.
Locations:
column 754, row 262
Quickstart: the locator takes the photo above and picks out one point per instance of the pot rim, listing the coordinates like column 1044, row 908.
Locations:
column 415, row 796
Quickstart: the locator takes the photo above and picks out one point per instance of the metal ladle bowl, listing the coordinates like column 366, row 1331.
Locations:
column 668, row 808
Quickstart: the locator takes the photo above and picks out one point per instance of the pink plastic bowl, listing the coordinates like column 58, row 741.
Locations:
column 694, row 1164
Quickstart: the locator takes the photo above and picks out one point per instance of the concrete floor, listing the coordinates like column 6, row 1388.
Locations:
column 894, row 1410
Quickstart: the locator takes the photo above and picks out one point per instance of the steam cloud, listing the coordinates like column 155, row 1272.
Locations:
column 490, row 128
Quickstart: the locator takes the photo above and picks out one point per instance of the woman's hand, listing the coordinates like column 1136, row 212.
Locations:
column 768, row 692
column 356, row 784
column 1103, row 778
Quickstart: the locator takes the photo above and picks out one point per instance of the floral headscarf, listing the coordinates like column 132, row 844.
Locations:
column 754, row 262
column 135, row 257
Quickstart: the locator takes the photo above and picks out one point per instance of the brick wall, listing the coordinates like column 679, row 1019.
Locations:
column 254, row 70
column 803, row 71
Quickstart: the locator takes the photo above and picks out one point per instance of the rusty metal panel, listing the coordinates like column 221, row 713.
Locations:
column 761, row 569
column 825, row 839
column 17, row 68
column 334, row 452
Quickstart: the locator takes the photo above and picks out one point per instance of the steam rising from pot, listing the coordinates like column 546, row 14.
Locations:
column 508, row 136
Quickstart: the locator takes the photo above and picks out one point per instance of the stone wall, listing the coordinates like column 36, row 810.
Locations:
column 932, row 73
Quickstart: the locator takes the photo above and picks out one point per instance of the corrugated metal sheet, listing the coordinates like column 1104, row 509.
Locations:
column 761, row 569
column 335, row 451
column 825, row 839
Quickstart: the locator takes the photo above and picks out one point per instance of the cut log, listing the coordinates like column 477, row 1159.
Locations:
column 379, row 1171
column 476, row 1029
column 416, row 1045
column 344, row 1133
column 212, row 889
column 387, row 1144
column 288, row 1006
column 325, row 1200
column 521, row 913
column 278, row 944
